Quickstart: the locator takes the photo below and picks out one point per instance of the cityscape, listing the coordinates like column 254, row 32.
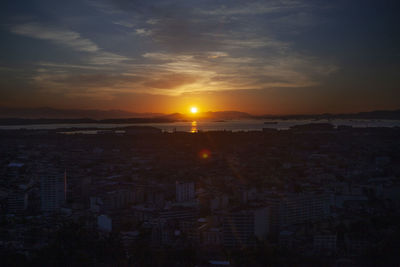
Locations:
column 310, row 195
column 199, row 133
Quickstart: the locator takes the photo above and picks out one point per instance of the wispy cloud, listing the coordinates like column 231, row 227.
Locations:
column 126, row 24
column 185, row 51
column 253, row 8
column 71, row 66
column 59, row 36
column 107, row 58
column 171, row 81
column 143, row 32
column 166, row 56
column 174, row 74
column 72, row 40
column 104, row 7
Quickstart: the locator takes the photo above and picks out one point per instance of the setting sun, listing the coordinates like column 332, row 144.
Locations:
column 193, row 110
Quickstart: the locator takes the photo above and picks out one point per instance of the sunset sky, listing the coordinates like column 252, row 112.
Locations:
column 261, row 57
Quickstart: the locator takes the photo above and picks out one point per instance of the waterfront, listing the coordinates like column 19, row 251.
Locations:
column 229, row 125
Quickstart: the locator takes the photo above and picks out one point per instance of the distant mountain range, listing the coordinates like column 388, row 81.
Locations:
column 372, row 115
column 22, row 116
column 53, row 113
column 94, row 114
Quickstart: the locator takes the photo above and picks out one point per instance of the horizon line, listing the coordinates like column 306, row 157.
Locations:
column 203, row 112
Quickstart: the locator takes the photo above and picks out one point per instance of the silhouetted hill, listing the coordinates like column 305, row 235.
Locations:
column 19, row 116
column 225, row 115
column 17, row 121
column 372, row 115
column 53, row 113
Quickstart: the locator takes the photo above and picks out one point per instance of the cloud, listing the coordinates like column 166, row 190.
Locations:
column 69, row 79
column 166, row 56
column 188, row 48
column 176, row 74
column 237, row 41
column 104, row 7
column 71, row 66
column 216, row 54
column 70, row 39
column 184, row 26
column 72, row 82
column 62, row 37
column 152, row 21
column 126, row 24
column 95, row 80
column 7, row 69
column 107, row 58
column 143, row 32
column 245, row 8
column 171, row 81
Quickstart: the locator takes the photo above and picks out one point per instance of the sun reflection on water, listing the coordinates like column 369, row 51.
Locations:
column 194, row 127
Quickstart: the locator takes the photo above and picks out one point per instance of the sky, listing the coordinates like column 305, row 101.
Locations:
column 261, row 57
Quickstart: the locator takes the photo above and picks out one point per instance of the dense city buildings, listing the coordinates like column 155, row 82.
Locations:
column 309, row 195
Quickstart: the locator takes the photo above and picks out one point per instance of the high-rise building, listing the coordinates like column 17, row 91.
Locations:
column 285, row 210
column 325, row 242
column 15, row 171
column 184, row 191
column 17, row 202
column 291, row 209
column 301, row 208
column 179, row 214
column 243, row 227
column 52, row 191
